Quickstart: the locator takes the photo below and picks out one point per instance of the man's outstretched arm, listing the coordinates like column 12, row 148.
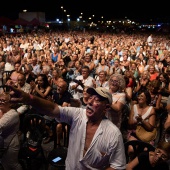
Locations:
column 43, row 106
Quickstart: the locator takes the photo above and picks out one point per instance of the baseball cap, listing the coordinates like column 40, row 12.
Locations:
column 101, row 91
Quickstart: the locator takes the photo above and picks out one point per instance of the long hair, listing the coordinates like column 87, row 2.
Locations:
column 45, row 80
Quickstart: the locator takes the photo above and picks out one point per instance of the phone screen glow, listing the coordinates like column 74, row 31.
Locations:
column 56, row 159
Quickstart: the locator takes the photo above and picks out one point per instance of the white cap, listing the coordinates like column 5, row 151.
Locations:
column 101, row 91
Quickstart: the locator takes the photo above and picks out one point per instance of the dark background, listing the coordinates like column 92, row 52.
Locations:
column 109, row 9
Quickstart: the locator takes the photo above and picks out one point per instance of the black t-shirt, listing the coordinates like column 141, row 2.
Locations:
column 66, row 96
column 144, row 163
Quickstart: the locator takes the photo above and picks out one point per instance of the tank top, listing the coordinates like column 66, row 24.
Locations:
column 54, row 57
column 144, row 115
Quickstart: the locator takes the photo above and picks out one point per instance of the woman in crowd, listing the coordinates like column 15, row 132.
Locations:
column 140, row 65
column 56, row 77
column 2, row 66
column 164, row 88
column 89, row 62
column 116, row 68
column 9, row 123
column 101, row 80
column 153, row 72
column 133, row 68
column 77, row 71
column 116, row 87
column 141, row 84
column 152, row 160
column 55, row 55
column 102, row 66
column 139, row 113
column 16, row 72
column 84, row 99
column 156, row 97
column 128, row 91
column 42, row 88
column 132, row 82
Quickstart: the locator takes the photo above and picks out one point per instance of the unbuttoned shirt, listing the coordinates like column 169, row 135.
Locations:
column 106, row 148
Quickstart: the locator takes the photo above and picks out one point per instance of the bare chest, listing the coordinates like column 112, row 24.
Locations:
column 90, row 131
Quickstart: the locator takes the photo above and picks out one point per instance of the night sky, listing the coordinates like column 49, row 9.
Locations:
column 143, row 10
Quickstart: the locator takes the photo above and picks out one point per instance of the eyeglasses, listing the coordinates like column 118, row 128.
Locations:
column 114, row 82
column 161, row 155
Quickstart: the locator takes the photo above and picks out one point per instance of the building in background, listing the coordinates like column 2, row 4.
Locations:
column 30, row 16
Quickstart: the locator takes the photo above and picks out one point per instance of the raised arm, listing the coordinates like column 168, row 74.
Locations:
column 43, row 106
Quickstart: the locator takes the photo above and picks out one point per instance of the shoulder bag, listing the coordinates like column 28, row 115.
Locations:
column 144, row 135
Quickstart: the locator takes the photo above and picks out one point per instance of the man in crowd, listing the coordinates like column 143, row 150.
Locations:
column 94, row 141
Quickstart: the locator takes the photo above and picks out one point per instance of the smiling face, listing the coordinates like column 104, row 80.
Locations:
column 141, row 98
column 114, row 84
column 4, row 102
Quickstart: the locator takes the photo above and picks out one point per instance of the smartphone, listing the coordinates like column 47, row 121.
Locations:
column 56, row 159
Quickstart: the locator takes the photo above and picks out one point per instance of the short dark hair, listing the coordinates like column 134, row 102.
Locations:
column 147, row 94
column 165, row 146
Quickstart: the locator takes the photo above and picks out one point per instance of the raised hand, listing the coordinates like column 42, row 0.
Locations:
column 18, row 95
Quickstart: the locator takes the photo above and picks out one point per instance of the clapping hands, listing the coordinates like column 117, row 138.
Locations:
column 139, row 119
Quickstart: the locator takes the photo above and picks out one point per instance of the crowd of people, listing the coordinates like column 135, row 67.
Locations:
column 97, row 86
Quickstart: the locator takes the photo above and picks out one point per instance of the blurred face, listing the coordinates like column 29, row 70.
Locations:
column 74, row 57
column 40, row 81
column 17, row 66
column 114, row 84
column 141, row 98
column 161, row 78
column 128, row 73
column 21, row 80
column 87, row 57
column 54, row 73
column 85, row 73
column 160, row 156
column 34, row 61
column 116, row 63
column 103, row 62
column 85, row 94
column 95, row 107
column 151, row 69
column 145, row 75
column 45, row 71
column 133, row 67
column 61, row 88
column 101, row 76
column 4, row 101
column 77, row 64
